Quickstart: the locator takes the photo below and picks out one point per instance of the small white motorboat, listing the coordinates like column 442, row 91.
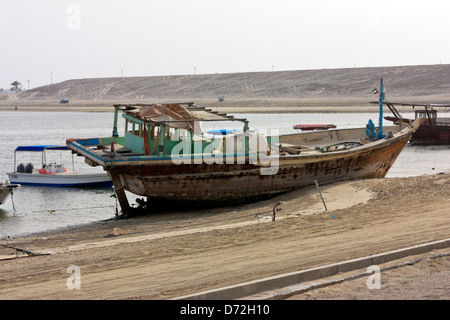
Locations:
column 54, row 174
column 6, row 189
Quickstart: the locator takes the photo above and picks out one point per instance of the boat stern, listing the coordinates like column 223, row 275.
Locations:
column 97, row 151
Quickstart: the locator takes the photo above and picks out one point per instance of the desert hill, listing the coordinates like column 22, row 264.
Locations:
column 300, row 85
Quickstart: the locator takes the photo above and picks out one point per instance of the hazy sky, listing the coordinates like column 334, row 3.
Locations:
column 57, row 40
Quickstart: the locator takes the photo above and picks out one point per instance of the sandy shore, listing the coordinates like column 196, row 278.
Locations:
column 169, row 254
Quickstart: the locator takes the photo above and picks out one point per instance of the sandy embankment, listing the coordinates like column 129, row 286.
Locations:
column 326, row 90
column 170, row 254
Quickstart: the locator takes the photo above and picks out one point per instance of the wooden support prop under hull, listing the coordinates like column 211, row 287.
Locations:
column 120, row 193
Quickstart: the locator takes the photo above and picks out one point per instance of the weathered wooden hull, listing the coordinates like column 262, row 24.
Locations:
column 198, row 180
column 224, row 183
column 432, row 135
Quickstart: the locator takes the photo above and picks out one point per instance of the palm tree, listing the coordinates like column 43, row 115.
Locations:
column 16, row 86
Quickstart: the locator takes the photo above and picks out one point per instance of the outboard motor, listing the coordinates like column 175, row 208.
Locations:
column 21, row 168
column 29, row 168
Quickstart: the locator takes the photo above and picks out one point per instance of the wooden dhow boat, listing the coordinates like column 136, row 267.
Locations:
column 163, row 155
column 433, row 131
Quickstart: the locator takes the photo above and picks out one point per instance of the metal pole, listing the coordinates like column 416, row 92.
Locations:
column 380, row 127
column 246, row 140
column 161, row 140
column 115, row 133
column 317, row 185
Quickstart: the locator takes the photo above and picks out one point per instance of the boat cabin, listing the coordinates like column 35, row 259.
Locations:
column 429, row 114
column 171, row 129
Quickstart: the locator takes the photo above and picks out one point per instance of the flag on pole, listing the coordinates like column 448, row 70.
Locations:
column 375, row 91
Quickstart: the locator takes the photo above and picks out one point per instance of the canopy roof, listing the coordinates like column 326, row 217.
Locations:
column 175, row 115
column 41, row 148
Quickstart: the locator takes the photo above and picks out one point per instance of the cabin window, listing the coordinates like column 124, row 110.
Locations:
column 137, row 129
column 168, row 132
column 420, row 115
column 152, row 132
column 134, row 128
column 128, row 127
column 431, row 114
column 181, row 134
column 155, row 132
column 172, row 134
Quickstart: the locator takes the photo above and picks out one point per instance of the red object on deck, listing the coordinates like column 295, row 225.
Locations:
column 314, row 126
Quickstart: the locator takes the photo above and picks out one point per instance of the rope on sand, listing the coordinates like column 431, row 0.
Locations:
column 69, row 209
column 22, row 251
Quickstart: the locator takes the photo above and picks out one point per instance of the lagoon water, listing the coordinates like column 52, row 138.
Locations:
column 36, row 209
